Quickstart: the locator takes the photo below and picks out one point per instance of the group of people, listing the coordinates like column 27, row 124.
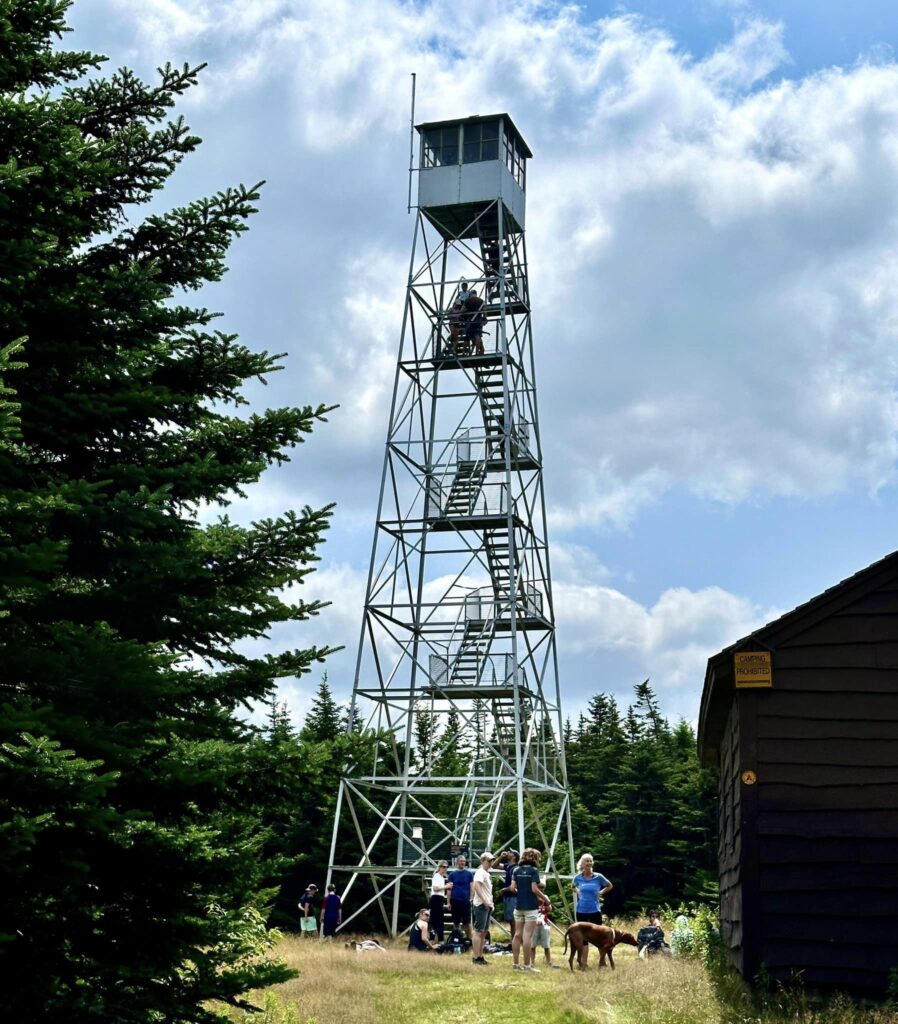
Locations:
column 468, row 896
column 466, row 320
column 525, row 908
column 471, row 903
column 331, row 912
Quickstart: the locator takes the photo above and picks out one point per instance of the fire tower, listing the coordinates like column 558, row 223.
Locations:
column 457, row 654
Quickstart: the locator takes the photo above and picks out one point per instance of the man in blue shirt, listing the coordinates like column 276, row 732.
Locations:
column 460, row 895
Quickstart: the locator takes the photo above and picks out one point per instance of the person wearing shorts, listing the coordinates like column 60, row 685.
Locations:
column 460, row 896
column 307, row 923
column 526, row 884
column 482, row 890
column 509, row 899
column 542, row 933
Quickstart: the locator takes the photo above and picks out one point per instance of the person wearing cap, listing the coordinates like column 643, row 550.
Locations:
column 308, row 925
column 482, row 892
column 509, row 898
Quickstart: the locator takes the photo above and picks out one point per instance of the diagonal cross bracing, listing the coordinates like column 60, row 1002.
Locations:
column 458, row 629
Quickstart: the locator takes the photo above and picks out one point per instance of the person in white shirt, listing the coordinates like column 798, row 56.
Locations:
column 439, row 890
column 482, row 892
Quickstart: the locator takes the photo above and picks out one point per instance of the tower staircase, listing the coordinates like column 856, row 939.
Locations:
column 468, row 664
column 466, row 487
column 491, row 393
column 501, row 556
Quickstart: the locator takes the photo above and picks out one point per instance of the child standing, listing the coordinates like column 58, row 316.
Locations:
column 542, row 935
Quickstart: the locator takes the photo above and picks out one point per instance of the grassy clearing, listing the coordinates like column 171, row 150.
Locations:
column 338, row 986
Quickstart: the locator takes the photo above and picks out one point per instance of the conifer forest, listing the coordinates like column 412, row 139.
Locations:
column 149, row 833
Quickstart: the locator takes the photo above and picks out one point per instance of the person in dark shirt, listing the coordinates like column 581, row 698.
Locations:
column 650, row 939
column 460, row 897
column 474, row 319
column 526, row 884
column 509, row 899
column 419, row 940
column 332, row 913
column 307, row 923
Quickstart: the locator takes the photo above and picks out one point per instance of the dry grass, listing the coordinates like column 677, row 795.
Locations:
column 340, row 986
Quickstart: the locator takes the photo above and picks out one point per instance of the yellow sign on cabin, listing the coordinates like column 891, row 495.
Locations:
column 753, row 668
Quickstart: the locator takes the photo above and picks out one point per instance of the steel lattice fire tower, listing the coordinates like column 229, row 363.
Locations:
column 458, row 624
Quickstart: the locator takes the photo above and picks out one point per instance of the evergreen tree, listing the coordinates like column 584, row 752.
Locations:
column 691, row 855
column 640, row 802
column 279, row 726
column 453, row 755
column 323, row 721
column 638, row 793
column 479, row 727
column 131, row 809
column 645, row 713
column 425, row 734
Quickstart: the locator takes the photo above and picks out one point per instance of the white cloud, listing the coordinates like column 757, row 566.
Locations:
column 713, row 266
column 602, row 630
column 715, row 251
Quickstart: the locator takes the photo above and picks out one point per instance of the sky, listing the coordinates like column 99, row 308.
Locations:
column 712, row 214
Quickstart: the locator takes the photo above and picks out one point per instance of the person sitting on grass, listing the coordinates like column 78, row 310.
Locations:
column 419, row 940
column 650, row 939
column 542, row 933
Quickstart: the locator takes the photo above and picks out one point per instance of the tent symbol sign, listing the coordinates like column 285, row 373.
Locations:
column 753, row 669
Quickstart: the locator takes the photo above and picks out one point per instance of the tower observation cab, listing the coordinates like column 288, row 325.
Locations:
column 457, row 667
column 465, row 166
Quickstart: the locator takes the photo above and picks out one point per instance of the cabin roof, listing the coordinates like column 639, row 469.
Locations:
column 718, row 686
column 475, row 119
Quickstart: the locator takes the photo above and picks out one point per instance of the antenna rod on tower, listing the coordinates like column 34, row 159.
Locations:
column 411, row 146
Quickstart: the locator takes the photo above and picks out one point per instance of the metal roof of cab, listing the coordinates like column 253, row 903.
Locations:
column 475, row 120
column 718, row 689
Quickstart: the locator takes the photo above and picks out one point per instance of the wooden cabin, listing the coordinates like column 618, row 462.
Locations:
column 801, row 718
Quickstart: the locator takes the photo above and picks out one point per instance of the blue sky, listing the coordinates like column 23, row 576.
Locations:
column 817, row 33
column 713, row 236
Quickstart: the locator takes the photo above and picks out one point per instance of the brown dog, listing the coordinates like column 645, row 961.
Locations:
column 603, row 937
